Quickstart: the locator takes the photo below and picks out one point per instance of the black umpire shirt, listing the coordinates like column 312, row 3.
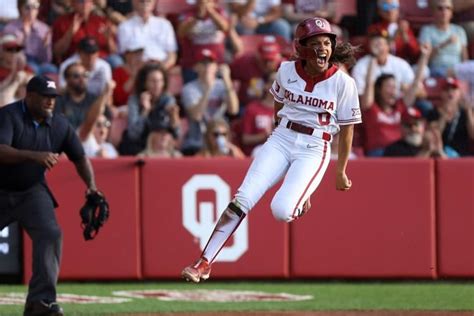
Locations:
column 19, row 130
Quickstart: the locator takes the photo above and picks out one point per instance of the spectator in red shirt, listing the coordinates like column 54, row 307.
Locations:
column 251, row 70
column 403, row 41
column 124, row 75
column 205, row 26
column 69, row 29
column 258, row 119
column 382, row 109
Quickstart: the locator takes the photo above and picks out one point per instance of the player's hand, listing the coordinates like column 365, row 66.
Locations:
column 46, row 159
column 343, row 183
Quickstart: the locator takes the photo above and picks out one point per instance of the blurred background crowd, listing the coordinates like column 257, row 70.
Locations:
column 176, row 78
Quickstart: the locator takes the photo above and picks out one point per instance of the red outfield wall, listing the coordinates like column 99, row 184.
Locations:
column 382, row 227
column 389, row 225
column 115, row 253
column 180, row 205
column 455, row 201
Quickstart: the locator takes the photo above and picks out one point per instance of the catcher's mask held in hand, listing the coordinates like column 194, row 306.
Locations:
column 94, row 214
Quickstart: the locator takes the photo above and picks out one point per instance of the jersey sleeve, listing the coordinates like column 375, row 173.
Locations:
column 348, row 109
column 277, row 89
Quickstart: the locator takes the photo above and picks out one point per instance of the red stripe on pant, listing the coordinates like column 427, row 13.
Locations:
column 211, row 260
column 312, row 179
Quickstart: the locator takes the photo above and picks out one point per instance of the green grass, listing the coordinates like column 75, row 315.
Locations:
column 424, row 295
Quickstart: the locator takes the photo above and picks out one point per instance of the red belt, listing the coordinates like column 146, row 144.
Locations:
column 306, row 130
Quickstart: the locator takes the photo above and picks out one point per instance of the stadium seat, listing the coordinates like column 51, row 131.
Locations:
column 344, row 7
column 251, row 43
column 416, row 12
column 167, row 7
column 171, row 9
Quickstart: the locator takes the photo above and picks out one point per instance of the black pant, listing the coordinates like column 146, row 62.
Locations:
column 33, row 209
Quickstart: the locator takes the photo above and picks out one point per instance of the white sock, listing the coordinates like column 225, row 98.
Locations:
column 225, row 227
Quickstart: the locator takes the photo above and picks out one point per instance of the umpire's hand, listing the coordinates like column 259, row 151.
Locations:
column 46, row 159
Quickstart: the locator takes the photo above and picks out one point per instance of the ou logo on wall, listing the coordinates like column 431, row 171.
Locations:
column 200, row 217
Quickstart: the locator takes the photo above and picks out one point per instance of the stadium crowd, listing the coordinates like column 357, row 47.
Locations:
column 174, row 78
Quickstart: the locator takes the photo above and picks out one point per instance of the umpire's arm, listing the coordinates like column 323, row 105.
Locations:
column 85, row 171
column 75, row 152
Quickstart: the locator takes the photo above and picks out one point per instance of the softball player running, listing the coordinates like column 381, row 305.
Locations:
column 314, row 100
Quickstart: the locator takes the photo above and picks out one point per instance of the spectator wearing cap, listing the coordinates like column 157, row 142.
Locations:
column 252, row 70
column 412, row 131
column 455, row 117
column 124, row 75
column 419, row 139
column 383, row 63
column 382, row 107
column 211, row 95
column 203, row 26
column 31, row 141
column 403, row 42
column 35, row 37
column 13, row 71
column 156, row 32
column 149, row 106
column 71, row 28
column 161, row 144
column 449, row 40
column 100, row 72
column 260, row 17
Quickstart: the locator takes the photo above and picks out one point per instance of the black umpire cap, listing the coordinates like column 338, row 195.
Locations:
column 42, row 85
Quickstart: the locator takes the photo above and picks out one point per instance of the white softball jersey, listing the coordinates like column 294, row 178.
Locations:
column 323, row 103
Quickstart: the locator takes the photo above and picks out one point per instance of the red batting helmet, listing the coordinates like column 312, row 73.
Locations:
column 308, row 28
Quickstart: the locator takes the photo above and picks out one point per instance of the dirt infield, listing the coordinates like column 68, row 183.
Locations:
column 326, row 313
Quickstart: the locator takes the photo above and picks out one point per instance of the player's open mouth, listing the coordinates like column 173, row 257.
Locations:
column 321, row 59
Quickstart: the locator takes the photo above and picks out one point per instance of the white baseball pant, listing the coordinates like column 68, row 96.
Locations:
column 304, row 160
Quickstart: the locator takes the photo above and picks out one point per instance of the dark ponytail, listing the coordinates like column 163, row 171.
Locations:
column 344, row 53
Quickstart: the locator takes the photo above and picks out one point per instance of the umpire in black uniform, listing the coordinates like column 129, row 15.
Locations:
column 31, row 140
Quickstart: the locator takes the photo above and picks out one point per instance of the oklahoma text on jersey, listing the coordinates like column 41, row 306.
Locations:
column 308, row 100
